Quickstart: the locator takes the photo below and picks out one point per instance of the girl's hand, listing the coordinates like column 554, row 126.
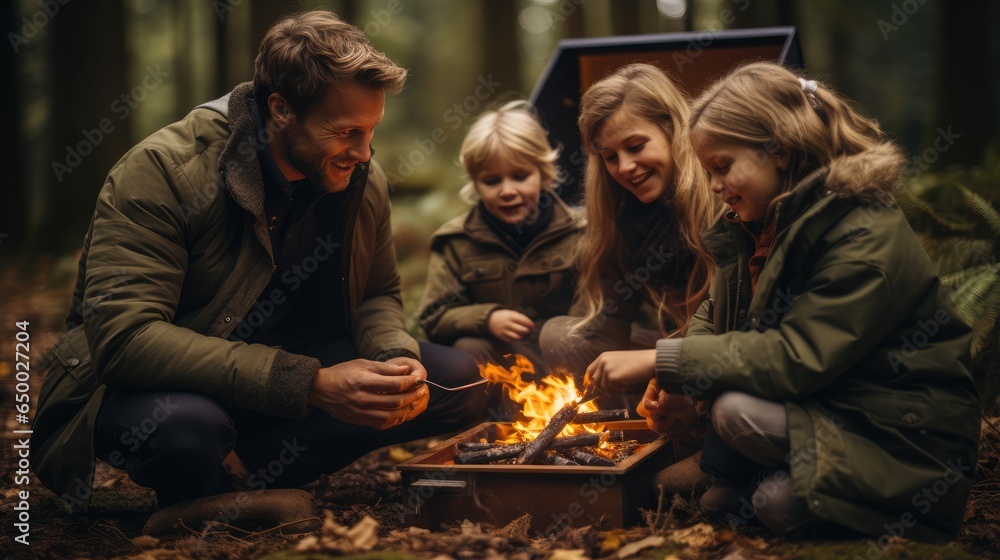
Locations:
column 509, row 325
column 614, row 372
column 666, row 413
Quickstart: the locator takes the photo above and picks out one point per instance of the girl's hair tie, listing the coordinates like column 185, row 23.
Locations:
column 808, row 86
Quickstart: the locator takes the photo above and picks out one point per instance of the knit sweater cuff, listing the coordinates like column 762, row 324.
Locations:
column 386, row 355
column 668, row 363
column 289, row 383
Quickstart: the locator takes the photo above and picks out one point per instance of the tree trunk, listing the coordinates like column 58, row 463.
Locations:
column 964, row 115
column 625, row 17
column 13, row 218
column 92, row 102
column 499, row 24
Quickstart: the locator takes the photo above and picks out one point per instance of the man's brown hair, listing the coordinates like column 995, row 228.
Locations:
column 304, row 53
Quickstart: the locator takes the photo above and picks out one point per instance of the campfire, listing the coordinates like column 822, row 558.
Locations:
column 562, row 461
column 557, row 424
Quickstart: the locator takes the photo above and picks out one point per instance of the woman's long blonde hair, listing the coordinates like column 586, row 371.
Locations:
column 645, row 92
column 767, row 107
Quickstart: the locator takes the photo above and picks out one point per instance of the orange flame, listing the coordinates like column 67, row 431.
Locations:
column 539, row 401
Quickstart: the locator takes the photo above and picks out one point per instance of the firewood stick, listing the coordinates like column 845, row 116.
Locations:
column 587, row 458
column 550, row 457
column 601, row 416
column 477, row 445
column 500, row 451
column 581, row 418
column 545, row 437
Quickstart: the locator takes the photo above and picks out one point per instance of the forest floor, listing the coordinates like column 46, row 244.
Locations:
column 367, row 496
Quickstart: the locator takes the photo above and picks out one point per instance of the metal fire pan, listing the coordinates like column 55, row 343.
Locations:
column 437, row 492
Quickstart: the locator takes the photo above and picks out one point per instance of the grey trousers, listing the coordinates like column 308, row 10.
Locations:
column 758, row 429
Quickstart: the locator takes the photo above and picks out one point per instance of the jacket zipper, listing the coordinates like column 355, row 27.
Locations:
column 736, row 309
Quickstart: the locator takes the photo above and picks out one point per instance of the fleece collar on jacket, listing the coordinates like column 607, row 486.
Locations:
column 472, row 225
column 867, row 178
column 241, row 168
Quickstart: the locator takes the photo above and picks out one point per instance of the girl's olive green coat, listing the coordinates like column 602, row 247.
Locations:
column 851, row 328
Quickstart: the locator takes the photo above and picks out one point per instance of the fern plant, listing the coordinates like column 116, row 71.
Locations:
column 961, row 232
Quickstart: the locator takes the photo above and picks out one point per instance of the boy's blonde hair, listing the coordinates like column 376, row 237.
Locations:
column 512, row 133
column 647, row 93
column 766, row 106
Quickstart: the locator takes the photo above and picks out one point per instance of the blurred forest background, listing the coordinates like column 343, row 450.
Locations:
column 86, row 80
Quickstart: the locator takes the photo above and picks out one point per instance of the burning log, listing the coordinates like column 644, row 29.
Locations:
column 545, row 437
column 583, row 457
column 477, row 445
column 500, row 451
column 551, row 457
column 601, row 416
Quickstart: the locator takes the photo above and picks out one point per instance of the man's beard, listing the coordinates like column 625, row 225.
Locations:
column 309, row 161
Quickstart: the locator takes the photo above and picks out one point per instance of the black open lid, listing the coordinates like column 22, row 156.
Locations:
column 695, row 59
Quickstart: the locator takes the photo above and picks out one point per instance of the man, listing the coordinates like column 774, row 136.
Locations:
column 238, row 292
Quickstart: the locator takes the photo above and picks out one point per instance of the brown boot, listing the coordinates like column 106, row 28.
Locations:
column 683, row 477
column 247, row 510
column 723, row 497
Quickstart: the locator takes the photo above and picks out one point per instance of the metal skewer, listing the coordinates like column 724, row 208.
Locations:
column 459, row 388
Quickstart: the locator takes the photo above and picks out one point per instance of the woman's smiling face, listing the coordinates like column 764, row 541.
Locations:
column 636, row 153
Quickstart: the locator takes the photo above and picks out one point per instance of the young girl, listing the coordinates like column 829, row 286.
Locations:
column 838, row 367
column 499, row 271
column 647, row 205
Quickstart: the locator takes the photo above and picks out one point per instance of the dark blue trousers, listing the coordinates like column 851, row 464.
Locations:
column 175, row 442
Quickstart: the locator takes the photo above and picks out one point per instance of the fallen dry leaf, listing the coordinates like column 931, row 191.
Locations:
column 398, row 454
column 701, row 535
column 613, row 540
column 632, row 549
column 568, row 554
column 145, row 541
column 335, row 537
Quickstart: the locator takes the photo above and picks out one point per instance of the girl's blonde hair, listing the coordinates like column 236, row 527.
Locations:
column 510, row 133
column 803, row 123
column 645, row 92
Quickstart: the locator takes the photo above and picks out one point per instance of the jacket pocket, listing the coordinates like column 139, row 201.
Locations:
column 482, row 271
column 69, row 384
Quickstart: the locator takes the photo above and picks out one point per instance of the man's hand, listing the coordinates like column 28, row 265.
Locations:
column 509, row 325
column 374, row 394
column 666, row 413
column 614, row 372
